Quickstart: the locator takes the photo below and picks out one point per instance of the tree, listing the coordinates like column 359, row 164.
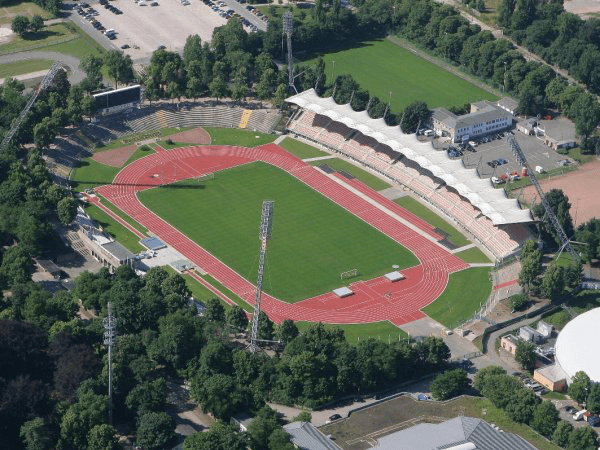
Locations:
column 266, row 328
column 531, row 264
column 415, row 113
column 103, row 437
column 592, row 403
column 525, row 354
column 522, row 405
column 584, row 438
column 120, row 66
column 279, row 439
column 261, row 427
column 587, row 115
column 579, row 387
column 66, row 209
column 280, row 95
column 36, row 24
column 214, row 312
column 92, row 66
column 518, row 302
column 449, row 384
column 155, row 430
column 562, row 433
column 303, row 416
column 19, row 25
column 286, row 331
column 545, row 418
column 220, row 436
column 482, row 377
column 147, row 397
column 218, row 395
column 559, row 203
column 218, row 88
column 553, row 283
column 36, row 435
column 44, row 133
column 236, row 318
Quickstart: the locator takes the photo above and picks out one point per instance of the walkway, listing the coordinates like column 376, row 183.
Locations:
column 76, row 75
column 373, row 300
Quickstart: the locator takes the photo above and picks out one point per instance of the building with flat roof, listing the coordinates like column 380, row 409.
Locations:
column 460, row 433
column 508, row 104
column 485, row 118
column 509, row 343
column 552, row 377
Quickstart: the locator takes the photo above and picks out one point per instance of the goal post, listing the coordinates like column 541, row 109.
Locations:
column 206, row 177
column 349, row 274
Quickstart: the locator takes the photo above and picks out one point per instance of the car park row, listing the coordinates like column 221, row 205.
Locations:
column 89, row 14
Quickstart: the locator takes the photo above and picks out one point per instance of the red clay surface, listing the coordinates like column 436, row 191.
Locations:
column 373, row 300
column 581, row 188
column 116, row 157
column 196, row 136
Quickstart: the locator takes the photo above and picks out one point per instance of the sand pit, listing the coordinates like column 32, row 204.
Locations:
column 6, row 35
column 116, row 157
column 580, row 186
column 196, row 136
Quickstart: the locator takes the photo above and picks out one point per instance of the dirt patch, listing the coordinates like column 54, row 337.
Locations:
column 582, row 7
column 196, row 136
column 116, row 157
column 585, row 202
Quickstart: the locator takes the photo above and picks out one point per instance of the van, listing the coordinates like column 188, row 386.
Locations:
column 109, row 31
column 473, row 143
column 579, row 414
column 428, row 133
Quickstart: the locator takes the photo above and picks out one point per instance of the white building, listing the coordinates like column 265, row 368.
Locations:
column 485, row 118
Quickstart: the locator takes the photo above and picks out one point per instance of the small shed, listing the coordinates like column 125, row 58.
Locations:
column 529, row 334
column 394, row 276
column 527, row 127
column 509, row 343
column 545, row 329
column 343, row 292
column 242, row 420
column 508, row 104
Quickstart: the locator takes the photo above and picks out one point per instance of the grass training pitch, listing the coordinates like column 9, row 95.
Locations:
column 313, row 239
column 300, row 149
column 354, row 333
column 375, row 183
column 407, row 76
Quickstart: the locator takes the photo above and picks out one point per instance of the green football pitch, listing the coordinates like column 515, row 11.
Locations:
column 313, row 239
column 382, row 67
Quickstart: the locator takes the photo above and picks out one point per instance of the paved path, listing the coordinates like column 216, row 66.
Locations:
column 319, row 158
column 76, row 75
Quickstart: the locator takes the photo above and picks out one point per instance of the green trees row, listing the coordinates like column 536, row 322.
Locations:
column 22, row 24
column 523, row 406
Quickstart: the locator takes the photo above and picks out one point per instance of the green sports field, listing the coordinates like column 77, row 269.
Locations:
column 384, row 67
column 313, row 239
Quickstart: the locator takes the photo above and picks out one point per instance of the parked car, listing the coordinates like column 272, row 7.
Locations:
column 579, row 414
column 593, row 421
column 492, row 163
column 502, row 161
column 569, row 409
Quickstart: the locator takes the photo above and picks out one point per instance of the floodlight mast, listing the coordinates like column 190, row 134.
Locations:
column 288, row 29
column 564, row 240
column 264, row 235
column 110, row 325
column 46, row 82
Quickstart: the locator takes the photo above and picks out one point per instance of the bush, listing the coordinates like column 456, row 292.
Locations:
column 519, row 302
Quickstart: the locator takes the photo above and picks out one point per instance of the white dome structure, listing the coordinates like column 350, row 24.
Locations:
column 577, row 345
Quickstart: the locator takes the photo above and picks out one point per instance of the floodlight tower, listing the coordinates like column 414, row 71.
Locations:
column 110, row 325
column 288, row 29
column 264, row 235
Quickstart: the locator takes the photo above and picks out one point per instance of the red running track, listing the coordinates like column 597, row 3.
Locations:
column 373, row 300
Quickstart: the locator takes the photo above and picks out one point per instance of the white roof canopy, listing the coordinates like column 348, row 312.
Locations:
column 492, row 202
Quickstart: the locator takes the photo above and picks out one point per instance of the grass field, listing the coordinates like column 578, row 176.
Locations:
column 407, row 76
column 384, row 331
column 418, row 209
column 235, row 136
column 245, row 306
column 313, row 239
column 49, row 35
column 466, row 291
column 473, row 255
column 370, row 180
column 125, row 237
column 300, row 149
column 91, row 174
column 123, row 216
column 582, row 301
column 22, row 67
column 27, row 9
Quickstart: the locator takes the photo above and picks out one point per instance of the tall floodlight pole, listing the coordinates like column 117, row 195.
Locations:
column 110, row 325
column 265, row 233
column 564, row 240
column 288, row 29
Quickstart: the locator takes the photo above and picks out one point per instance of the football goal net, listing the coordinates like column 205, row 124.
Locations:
column 349, row 274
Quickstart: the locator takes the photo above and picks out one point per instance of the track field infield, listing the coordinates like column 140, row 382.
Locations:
column 313, row 239
column 382, row 67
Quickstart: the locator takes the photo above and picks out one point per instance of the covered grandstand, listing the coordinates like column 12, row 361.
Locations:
column 445, row 183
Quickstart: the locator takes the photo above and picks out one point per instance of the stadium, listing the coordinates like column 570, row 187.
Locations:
column 331, row 230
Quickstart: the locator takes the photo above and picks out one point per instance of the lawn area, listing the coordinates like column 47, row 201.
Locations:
column 91, row 174
column 466, row 291
column 78, row 47
column 125, row 237
column 300, row 149
column 27, row 9
column 582, row 301
column 473, row 255
column 418, row 209
column 313, row 239
column 370, row 180
column 384, row 331
column 236, row 136
column 245, row 306
column 407, row 76
column 135, row 137
column 22, row 67
column 49, row 35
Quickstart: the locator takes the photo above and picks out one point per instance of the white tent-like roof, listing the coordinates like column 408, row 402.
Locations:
column 576, row 345
column 480, row 192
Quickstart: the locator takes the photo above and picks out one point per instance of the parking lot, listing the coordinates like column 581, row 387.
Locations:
column 145, row 28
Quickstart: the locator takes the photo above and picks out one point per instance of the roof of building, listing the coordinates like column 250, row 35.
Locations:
column 558, row 130
column 486, row 112
column 508, row 103
column 552, row 372
column 118, row 251
column 455, row 433
column 527, row 329
column 492, row 202
column 394, row 276
column 576, row 346
column 511, row 338
column 342, row 292
column 443, row 115
column 307, row 437
column 48, row 266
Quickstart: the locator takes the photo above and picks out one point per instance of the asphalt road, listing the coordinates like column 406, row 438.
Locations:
column 71, row 63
